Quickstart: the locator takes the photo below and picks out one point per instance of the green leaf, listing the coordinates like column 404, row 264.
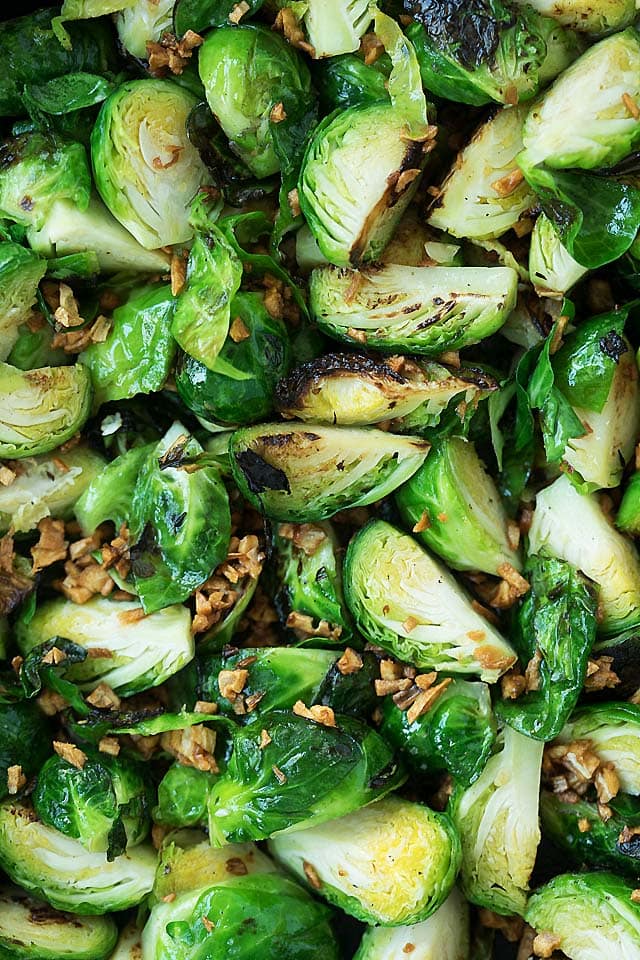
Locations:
column 405, row 83
column 558, row 419
column 73, row 91
column 198, row 15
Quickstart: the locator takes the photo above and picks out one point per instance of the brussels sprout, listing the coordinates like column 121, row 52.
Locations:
column 628, row 516
column 246, row 72
column 88, row 9
column 552, row 269
column 69, row 230
column 590, row 914
column 47, row 487
column 391, row 863
column 142, row 21
column 346, row 80
column 41, row 408
column 20, row 273
column 146, row 170
column 30, row 50
column 478, row 52
column 350, row 389
column 129, row 946
column 183, row 796
column 614, row 731
column 59, row 870
column 136, row 356
column 497, row 819
column 33, row 349
column 142, row 652
column 568, row 129
column 444, row 936
column 306, row 774
column 108, row 496
column 308, row 575
column 239, row 387
column 596, row 371
column 104, row 805
column 455, row 735
column 586, row 16
column 406, row 602
column 187, row 856
column 424, row 310
column 572, row 527
column 554, row 632
column 335, row 27
column 604, row 843
column 484, row 194
column 31, row 930
column 466, row 517
column 284, row 923
column 24, row 740
column 291, row 473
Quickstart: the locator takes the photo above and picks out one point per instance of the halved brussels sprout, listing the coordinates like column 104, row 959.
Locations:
column 290, row 472
column 394, row 862
column 145, row 168
column 142, row 21
column 143, row 652
column 425, row 310
column 568, row 129
column 333, row 26
column 350, row 389
column 285, row 923
column 408, row 603
column 136, row 356
column 572, row 527
column 24, row 740
column 552, row 269
column 104, row 805
column 307, row 773
column 47, row 487
column 497, row 819
column 108, row 496
column 614, row 731
column 246, row 72
column 455, row 735
column 590, row 914
column 444, row 936
column 63, row 873
column 40, row 409
column 20, row 273
column 484, row 194
column 605, row 16
column 467, row 522
column 32, row 930
column 478, row 52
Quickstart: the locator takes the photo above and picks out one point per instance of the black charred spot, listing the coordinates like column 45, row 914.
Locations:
column 175, row 455
column 468, row 29
column 260, row 475
column 411, row 308
column 26, row 203
column 613, row 346
column 292, row 391
column 174, row 522
column 322, row 575
column 142, row 551
column 630, row 847
column 383, row 777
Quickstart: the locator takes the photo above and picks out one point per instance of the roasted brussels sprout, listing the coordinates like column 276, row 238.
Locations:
column 59, row 870
column 183, row 796
column 290, row 472
column 142, row 652
column 554, row 632
column 586, row 16
column 346, row 80
column 307, row 773
column 108, row 496
column 137, row 354
column 572, row 527
column 40, row 409
column 456, row 735
column 104, row 805
column 47, row 487
column 443, row 936
column 24, row 740
column 333, row 27
column 426, row 310
column 467, row 522
column 20, row 273
column 247, row 71
column 478, row 52
column 552, row 269
column 497, row 819
column 32, row 930
column 406, row 602
column 143, row 21
column 391, row 863
column 145, row 168
column 587, row 915
column 285, row 923
column 613, row 729
column 485, row 195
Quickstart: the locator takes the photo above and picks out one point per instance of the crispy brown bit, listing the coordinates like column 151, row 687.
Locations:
column 175, row 150
column 279, row 775
column 54, row 656
column 205, row 706
column 513, row 578
column 631, row 106
column 350, row 662
column 99, row 653
column 523, row 226
column 51, row 703
column 104, row 698
column 442, row 517
column 178, row 272
column 16, row 663
column 408, row 948
column 358, row 335
column 492, row 659
column 584, row 826
column 307, row 537
column 70, row 753
column 507, row 184
column 158, row 833
column 16, row 779
column 607, row 782
column 390, row 670
column 109, row 745
column 311, row 874
column 513, row 534
column 278, row 113
column 274, row 302
column 604, row 812
column 7, row 476
column 75, row 341
column 477, row 636
column 545, row 944
column 317, row 713
column 423, row 523
column 410, row 624
column 84, row 547
column 558, row 332
column 192, row 747
column 371, row 48
column 213, row 599
column 51, row 546
column 532, row 671
column 171, row 54
column 265, row 739
column 85, row 581
column 207, row 924
column 600, row 676
column 304, row 626
column 385, row 687
column 426, row 699
column 628, row 833
column 287, row 23
column 239, row 11
column 511, row 927
column 238, row 331
column 232, row 682
column 512, row 685
column 511, row 95
column 424, row 681
column 405, row 179
column 131, row 616
column 169, row 898
column 66, row 314
column 485, row 612
column 236, row 867
column 146, row 745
